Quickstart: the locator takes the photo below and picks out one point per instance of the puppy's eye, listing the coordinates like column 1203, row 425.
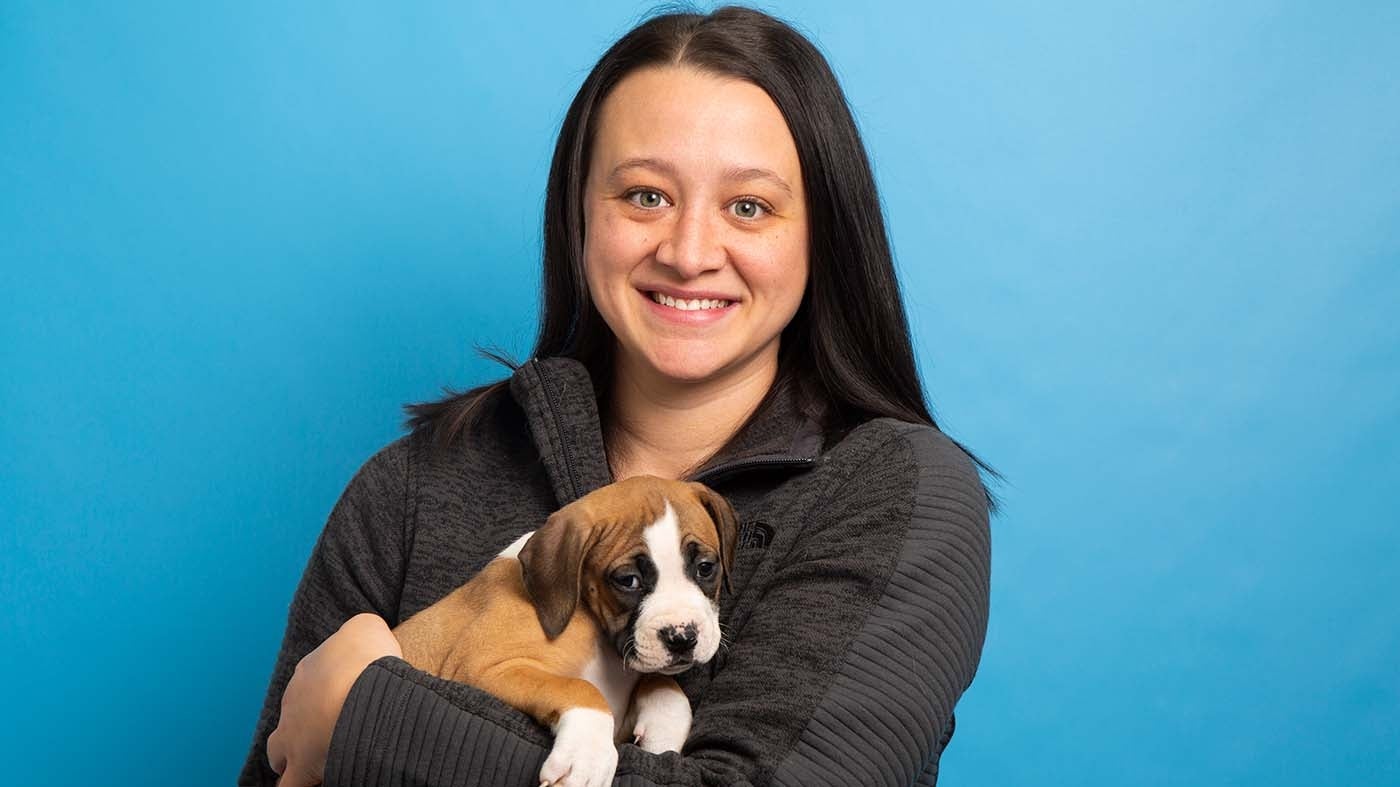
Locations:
column 628, row 582
column 705, row 569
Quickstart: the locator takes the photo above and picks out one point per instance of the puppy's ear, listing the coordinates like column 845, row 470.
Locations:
column 726, row 524
column 551, row 563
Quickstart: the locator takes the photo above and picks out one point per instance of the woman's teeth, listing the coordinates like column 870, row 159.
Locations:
column 687, row 306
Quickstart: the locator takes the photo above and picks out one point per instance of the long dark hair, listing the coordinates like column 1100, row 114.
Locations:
column 847, row 350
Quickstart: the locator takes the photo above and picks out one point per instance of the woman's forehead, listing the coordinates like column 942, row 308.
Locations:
column 671, row 120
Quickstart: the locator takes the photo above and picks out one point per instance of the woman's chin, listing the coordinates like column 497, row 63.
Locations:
column 687, row 373
column 691, row 364
column 684, row 367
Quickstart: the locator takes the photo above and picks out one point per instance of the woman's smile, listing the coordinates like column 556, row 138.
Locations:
column 693, row 312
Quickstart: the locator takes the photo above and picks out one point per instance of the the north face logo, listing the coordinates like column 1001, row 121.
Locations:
column 754, row 535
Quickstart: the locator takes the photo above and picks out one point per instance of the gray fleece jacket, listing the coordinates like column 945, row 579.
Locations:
column 856, row 621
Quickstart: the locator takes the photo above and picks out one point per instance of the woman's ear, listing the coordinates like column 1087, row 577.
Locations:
column 551, row 563
column 726, row 525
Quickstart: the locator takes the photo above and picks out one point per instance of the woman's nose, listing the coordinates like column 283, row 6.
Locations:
column 692, row 244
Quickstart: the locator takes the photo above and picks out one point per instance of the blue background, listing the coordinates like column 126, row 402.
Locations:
column 1151, row 253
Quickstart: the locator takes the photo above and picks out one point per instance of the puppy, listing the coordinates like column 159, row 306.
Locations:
column 580, row 623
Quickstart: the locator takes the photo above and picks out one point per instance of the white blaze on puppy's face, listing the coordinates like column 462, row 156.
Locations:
column 677, row 624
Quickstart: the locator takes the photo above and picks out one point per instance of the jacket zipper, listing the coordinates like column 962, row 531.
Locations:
column 709, row 476
column 564, row 440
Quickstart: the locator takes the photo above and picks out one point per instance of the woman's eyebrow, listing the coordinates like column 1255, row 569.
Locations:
column 733, row 174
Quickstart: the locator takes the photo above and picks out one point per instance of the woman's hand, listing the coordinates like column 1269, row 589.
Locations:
column 311, row 704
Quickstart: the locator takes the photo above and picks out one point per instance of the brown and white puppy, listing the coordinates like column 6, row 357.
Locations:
column 579, row 623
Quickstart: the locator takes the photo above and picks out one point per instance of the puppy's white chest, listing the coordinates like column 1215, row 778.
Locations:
column 615, row 681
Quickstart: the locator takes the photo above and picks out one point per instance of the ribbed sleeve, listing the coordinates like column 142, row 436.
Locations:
column 889, row 711
column 403, row 727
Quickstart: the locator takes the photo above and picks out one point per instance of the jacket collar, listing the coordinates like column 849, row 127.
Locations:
column 560, row 404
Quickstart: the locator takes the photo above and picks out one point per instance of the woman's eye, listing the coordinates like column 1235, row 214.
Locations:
column 650, row 199
column 628, row 581
column 749, row 208
column 704, row 569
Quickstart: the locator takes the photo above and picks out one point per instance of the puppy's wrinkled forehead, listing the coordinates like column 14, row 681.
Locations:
column 647, row 513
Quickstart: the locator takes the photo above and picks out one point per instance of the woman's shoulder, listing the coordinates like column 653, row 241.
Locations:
column 912, row 497
column 387, row 463
column 922, row 478
column 890, row 446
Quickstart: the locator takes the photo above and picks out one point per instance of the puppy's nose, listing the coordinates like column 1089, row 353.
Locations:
column 680, row 640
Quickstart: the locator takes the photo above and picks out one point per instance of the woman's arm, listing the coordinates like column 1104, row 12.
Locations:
column 356, row 566
column 846, row 672
column 316, row 693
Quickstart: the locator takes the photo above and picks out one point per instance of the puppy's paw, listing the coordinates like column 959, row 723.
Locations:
column 583, row 753
column 663, row 719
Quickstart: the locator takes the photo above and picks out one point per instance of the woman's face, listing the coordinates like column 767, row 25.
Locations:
column 694, row 191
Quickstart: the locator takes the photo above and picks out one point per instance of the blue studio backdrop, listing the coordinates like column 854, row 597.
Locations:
column 1151, row 254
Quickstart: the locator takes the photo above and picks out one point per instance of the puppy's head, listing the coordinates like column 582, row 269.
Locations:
column 647, row 557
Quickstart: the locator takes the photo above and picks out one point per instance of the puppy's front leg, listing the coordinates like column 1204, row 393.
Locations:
column 662, row 714
column 584, row 754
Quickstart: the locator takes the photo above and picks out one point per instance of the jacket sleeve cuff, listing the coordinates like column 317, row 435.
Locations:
column 402, row 726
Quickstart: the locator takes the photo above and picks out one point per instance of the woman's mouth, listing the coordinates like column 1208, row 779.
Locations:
column 694, row 311
column 694, row 304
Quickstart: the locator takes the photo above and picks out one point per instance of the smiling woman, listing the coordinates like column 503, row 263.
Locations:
column 715, row 157
column 720, row 306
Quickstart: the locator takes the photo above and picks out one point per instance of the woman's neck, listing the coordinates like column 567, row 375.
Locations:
column 663, row 427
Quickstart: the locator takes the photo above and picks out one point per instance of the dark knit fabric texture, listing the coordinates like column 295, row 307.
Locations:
column 855, row 623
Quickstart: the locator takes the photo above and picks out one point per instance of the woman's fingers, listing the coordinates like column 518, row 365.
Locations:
column 289, row 775
column 295, row 777
column 276, row 752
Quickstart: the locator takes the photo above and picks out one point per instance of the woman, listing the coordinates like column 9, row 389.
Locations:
column 719, row 305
